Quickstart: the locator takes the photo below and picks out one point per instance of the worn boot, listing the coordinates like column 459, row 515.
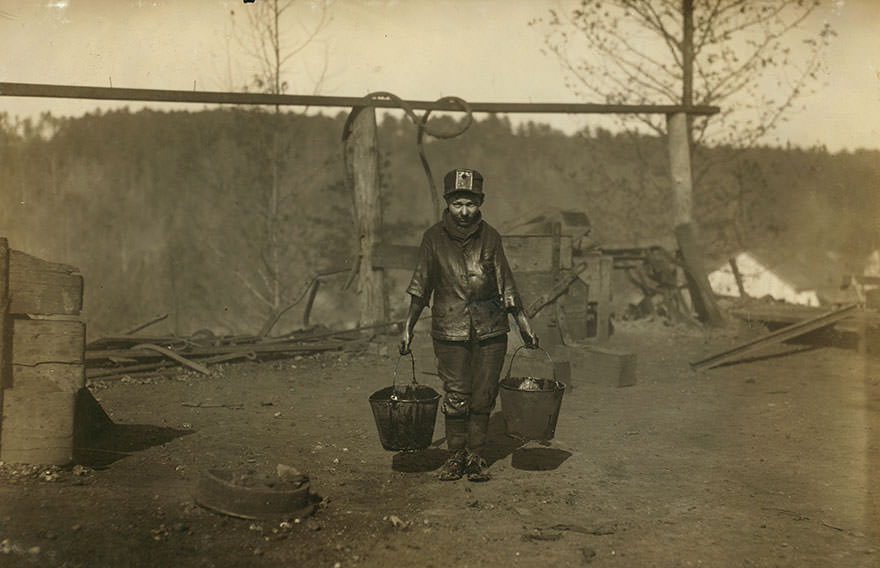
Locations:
column 475, row 467
column 454, row 467
column 478, row 430
column 456, row 440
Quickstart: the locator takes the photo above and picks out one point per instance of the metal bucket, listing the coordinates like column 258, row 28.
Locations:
column 531, row 413
column 405, row 416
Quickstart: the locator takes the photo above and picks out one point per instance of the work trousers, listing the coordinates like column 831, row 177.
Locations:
column 470, row 371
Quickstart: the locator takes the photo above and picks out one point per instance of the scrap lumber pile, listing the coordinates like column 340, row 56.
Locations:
column 788, row 332
column 126, row 355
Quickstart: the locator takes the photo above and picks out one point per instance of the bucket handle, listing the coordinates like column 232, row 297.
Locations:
column 396, row 365
column 510, row 367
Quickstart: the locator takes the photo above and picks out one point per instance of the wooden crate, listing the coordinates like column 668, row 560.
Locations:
column 591, row 364
column 49, row 377
column 534, row 253
column 40, row 287
column 40, row 341
column 37, row 427
column 42, row 344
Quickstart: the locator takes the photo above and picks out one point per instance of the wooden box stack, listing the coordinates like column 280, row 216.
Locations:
column 41, row 360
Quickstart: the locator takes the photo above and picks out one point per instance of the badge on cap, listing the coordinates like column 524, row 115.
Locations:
column 464, row 180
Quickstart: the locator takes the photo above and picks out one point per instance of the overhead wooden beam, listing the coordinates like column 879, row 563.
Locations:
column 219, row 97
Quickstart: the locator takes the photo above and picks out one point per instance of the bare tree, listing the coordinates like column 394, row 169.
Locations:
column 754, row 59
column 742, row 55
column 277, row 32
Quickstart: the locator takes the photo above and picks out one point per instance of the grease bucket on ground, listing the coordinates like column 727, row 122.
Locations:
column 531, row 404
column 405, row 416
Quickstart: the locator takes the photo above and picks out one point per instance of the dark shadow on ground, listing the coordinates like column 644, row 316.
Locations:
column 538, row 459
column 418, row 461
column 98, row 441
column 828, row 336
column 498, row 446
column 117, row 441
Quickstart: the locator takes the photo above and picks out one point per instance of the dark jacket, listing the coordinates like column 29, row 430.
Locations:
column 470, row 279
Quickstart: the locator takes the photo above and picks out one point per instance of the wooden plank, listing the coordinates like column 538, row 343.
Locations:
column 40, row 287
column 47, row 341
column 146, row 324
column 702, row 295
column 782, row 313
column 871, row 280
column 554, row 291
column 49, row 377
column 534, row 253
column 175, row 356
column 395, row 256
column 37, row 427
column 778, row 336
column 256, row 348
column 791, row 313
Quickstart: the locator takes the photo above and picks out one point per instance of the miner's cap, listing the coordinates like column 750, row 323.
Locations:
column 463, row 180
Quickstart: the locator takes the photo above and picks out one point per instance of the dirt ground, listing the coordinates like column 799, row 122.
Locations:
column 771, row 462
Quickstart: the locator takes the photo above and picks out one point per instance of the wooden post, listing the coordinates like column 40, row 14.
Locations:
column 556, row 250
column 680, row 168
column 5, row 321
column 702, row 296
column 603, row 298
column 362, row 172
column 737, row 276
column 682, row 206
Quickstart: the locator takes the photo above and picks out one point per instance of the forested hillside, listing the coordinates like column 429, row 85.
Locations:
column 167, row 211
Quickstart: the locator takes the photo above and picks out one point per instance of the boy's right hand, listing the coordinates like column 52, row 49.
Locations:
column 405, row 341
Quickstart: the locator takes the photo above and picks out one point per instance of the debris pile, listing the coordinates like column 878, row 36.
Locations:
column 116, row 357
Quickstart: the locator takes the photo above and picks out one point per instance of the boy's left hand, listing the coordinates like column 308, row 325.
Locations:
column 530, row 339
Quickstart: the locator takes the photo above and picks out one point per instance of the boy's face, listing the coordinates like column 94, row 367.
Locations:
column 464, row 209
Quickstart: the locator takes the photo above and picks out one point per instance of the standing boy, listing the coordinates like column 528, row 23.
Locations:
column 462, row 264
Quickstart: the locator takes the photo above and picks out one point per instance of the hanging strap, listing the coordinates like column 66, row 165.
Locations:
column 394, row 381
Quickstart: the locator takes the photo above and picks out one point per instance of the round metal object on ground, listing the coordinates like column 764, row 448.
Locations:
column 241, row 493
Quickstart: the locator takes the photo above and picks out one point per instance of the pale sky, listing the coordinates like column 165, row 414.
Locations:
column 480, row 50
